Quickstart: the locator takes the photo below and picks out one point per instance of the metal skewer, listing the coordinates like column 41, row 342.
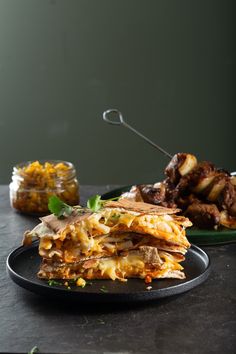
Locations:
column 121, row 121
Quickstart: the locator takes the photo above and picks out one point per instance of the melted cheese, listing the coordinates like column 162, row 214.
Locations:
column 109, row 220
column 130, row 265
column 108, row 232
column 110, row 268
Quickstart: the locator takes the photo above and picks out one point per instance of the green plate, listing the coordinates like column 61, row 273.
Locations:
column 199, row 237
column 202, row 237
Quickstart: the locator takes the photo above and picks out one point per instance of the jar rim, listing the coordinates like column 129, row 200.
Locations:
column 43, row 161
column 18, row 172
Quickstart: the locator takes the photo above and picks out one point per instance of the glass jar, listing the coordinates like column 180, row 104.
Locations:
column 34, row 182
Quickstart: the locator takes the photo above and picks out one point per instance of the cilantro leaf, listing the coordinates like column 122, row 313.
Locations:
column 53, row 282
column 95, row 202
column 104, row 289
column 34, row 350
column 58, row 207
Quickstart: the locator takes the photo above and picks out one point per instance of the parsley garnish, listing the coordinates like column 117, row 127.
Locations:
column 53, row 282
column 115, row 216
column 61, row 209
column 68, row 283
column 33, row 350
column 58, row 207
column 104, row 289
column 95, row 202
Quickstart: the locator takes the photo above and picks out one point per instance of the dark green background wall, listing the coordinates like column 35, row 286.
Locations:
column 168, row 65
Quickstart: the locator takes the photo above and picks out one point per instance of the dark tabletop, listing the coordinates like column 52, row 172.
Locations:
column 202, row 320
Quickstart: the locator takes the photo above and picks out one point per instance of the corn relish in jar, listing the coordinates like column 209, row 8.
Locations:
column 34, row 182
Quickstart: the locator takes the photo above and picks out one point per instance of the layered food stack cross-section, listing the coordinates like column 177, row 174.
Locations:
column 124, row 239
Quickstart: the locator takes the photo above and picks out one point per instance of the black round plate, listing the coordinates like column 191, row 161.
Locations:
column 23, row 265
column 199, row 237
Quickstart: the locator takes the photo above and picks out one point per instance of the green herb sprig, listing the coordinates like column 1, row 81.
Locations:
column 53, row 282
column 34, row 350
column 62, row 210
column 58, row 207
column 95, row 203
column 103, row 289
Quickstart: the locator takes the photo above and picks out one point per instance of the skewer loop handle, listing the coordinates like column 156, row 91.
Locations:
column 115, row 112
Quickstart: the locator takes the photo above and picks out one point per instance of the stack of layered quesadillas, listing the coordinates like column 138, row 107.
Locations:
column 122, row 240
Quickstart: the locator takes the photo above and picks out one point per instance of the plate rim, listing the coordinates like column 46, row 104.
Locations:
column 96, row 297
